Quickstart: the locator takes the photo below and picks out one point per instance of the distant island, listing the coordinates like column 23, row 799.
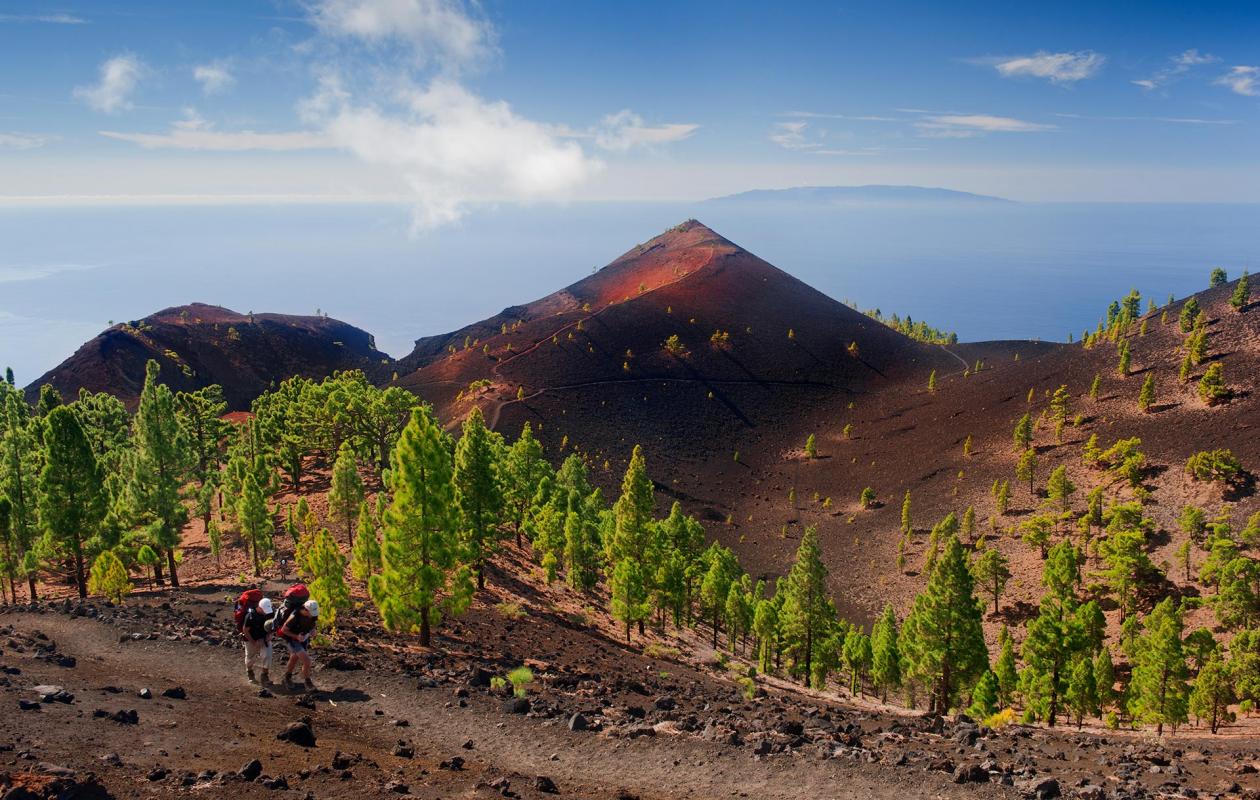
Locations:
column 843, row 195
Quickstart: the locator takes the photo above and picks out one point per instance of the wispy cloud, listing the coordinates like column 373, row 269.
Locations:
column 445, row 33
column 215, row 77
column 195, row 133
column 626, row 130
column 795, row 135
column 1172, row 120
column 1177, row 65
column 853, row 117
column 21, row 141
column 1242, row 80
column 1060, row 68
column 966, row 126
column 118, row 79
column 36, row 272
column 49, row 19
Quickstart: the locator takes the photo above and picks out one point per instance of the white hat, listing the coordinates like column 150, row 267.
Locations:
column 312, row 608
column 264, row 605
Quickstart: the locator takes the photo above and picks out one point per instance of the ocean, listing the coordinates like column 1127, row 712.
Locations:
column 986, row 271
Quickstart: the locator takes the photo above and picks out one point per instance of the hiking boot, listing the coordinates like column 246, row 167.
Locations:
column 265, row 678
column 288, row 680
column 249, row 673
column 310, row 687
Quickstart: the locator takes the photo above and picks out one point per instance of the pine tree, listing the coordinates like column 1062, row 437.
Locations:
column 867, row 498
column 1026, row 469
column 992, row 571
column 1104, row 678
column 1003, row 497
column 109, row 577
column 1082, row 690
column 947, row 650
column 345, row 497
column 932, row 382
column 1218, row 277
column 420, row 572
column 20, row 465
column 905, row 515
column 523, row 469
column 984, row 697
column 716, row 584
column 766, row 629
column 478, row 492
column 1095, row 386
column 1146, row 398
column 581, row 557
column 148, row 558
column 1004, row 668
column 255, row 521
column 1189, row 315
column 327, row 568
column 1213, row 692
column 160, row 467
column 857, row 657
column 72, row 501
column 1023, row 433
column 1126, row 359
column 1212, row 388
column 1055, row 635
column 807, row 615
column 1240, row 299
column 365, row 556
column 811, row 447
column 1158, row 690
column 1060, row 487
column 631, row 537
column 885, row 654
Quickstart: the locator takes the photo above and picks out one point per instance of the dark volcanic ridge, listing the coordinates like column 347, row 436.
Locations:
column 199, row 345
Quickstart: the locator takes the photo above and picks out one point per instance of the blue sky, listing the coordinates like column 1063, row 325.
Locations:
column 441, row 104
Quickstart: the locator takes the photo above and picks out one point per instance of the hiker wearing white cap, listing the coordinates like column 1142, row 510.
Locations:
column 297, row 632
column 258, row 640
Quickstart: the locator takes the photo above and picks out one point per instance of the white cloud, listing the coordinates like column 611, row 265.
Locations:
column 119, row 76
column 790, row 135
column 52, row 19
column 444, row 32
column 215, row 77
column 1242, row 80
column 1179, row 64
column 194, row 133
column 1054, row 67
column 451, row 147
column 21, row 141
column 36, row 272
column 625, row 130
column 964, row 126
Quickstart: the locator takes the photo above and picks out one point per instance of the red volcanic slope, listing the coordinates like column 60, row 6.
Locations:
column 607, row 334
column 198, row 345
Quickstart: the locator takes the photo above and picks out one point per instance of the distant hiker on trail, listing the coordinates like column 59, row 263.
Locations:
column 296, row 632
column 284, row 568
column 258, row 641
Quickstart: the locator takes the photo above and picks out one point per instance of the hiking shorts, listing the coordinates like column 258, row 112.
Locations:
column 295, row 647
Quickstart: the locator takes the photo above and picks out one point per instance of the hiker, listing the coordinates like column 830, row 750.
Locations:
column 258, row 641
column 296, row 632
column 284, row 568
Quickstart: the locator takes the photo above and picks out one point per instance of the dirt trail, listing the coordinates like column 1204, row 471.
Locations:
column 223, row 724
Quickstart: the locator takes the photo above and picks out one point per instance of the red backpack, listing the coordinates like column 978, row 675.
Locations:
column 296, row 595
column 247, row 602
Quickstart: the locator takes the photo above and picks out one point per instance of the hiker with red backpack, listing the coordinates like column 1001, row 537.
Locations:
column 252, row 612
column 295, row 625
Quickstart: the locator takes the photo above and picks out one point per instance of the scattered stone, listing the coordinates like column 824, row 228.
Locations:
column 158, row 774
column 665, row 703
column 468, row 744
column 278, row 782
column 401, row 723
column 517, row 705
column 298, row 733
column 397, row 787
column 29, row 705
column 68, row 662
column 265, row 693
column 344, row 664
column 403, row 750
column 251, row 771
column 125, row 716
column 146, row 694
column 175, row 693
column 578, row 722
column 454, row 763
column 940, row 765
column 1041, row 788
column 971, row 773
column 479, row 677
